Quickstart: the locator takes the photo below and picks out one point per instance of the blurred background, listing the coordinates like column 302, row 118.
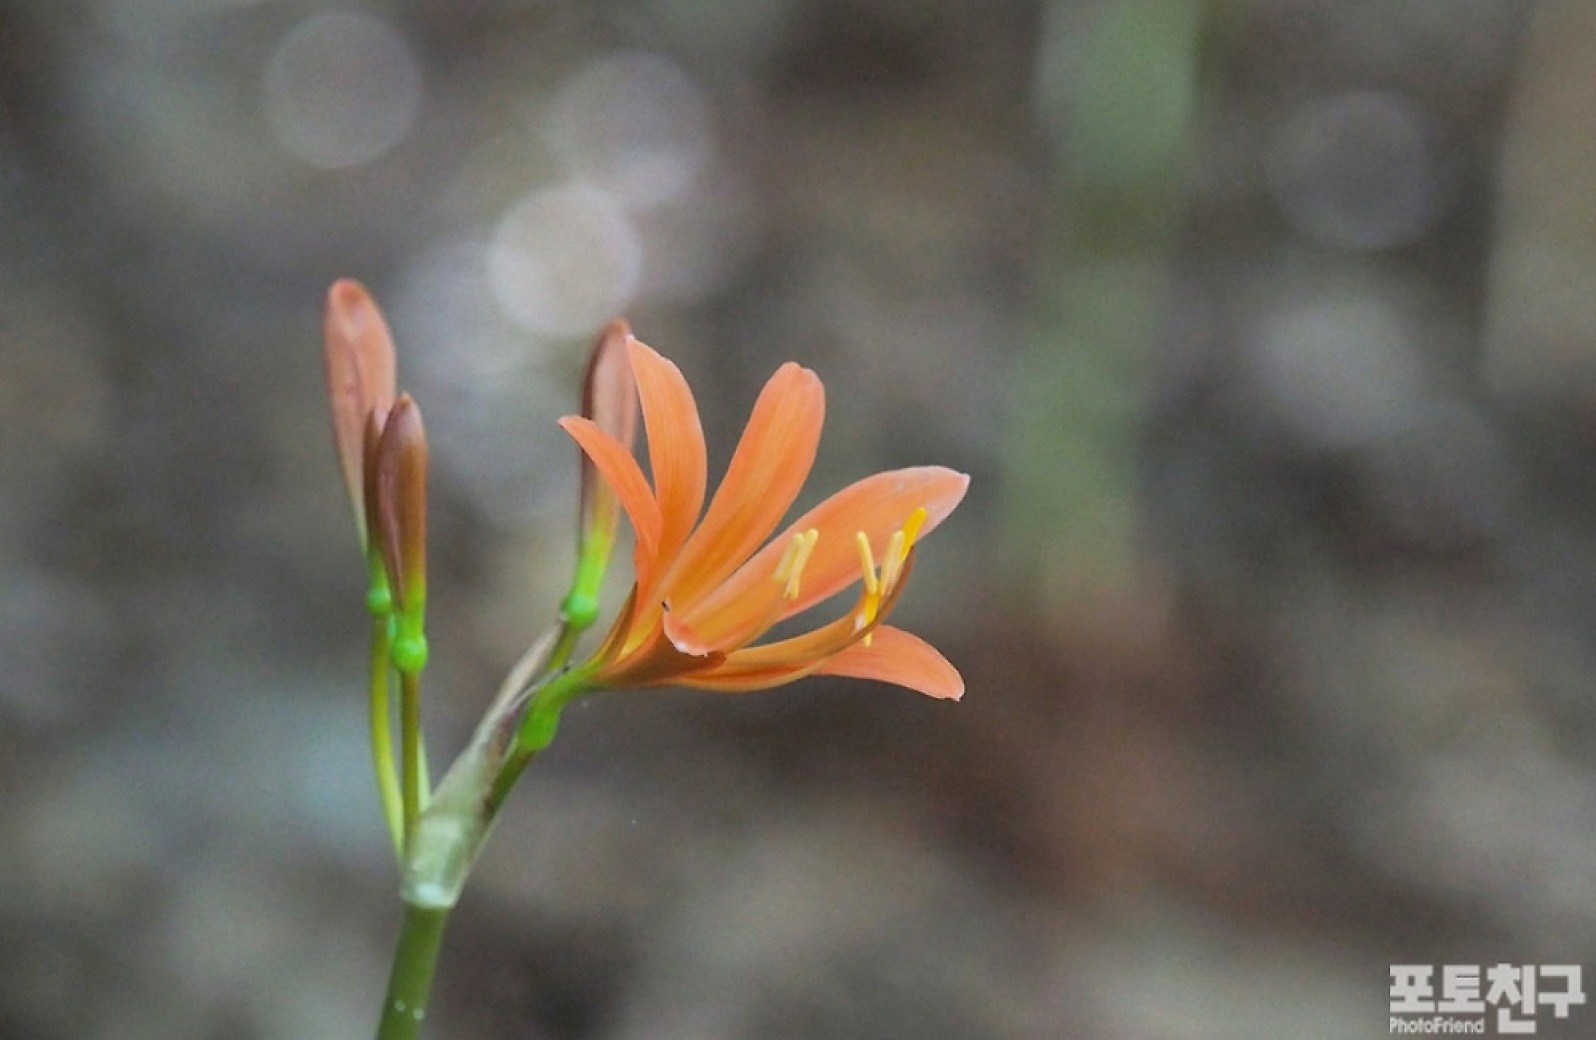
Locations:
column 1265, row 330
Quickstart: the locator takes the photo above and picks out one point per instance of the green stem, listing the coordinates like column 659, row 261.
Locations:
column 515, row 763
column 414, row 781
column 537, row 727
column 570, row 632
column 415, row 959
column 382, row 736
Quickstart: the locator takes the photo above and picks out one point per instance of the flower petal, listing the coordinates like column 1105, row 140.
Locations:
column 617, row 466
column 684, row 638
column 675, row 446
column 771, row 664
column 878, row 505
column 768, row 469
column 897, row 657
column 656, row 660
column 746, row 676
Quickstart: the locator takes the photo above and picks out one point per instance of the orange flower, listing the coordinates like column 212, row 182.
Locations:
column 708, row 587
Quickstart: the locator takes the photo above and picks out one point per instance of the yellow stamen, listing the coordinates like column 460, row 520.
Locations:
column 911, row 527
column 789, row 556
column 892, row 564
column 793, row 558
column 898, row 550
column 871, row 600
column 868, row 563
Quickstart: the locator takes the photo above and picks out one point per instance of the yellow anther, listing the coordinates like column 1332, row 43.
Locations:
column 892, row 564
column 793, row 558
column 898, row 549
column 870, row 602
column 789, row 556
column 867, row 562
column 911, row 527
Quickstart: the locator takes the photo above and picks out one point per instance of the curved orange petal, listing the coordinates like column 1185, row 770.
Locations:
column 683, row 638
column 655, row 660
column 729, row 678
column 767, row 471
column 738, row 625
column 619, row 469
column 898, row 657
column 771, row 664
column 675, row 446
column 735, row 676
column 878, row 505
column 831, row 639
column 615, row 640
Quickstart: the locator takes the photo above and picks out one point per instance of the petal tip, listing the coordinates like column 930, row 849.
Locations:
column 684, row 639
column 642, row 352
column 349, row 309
column 344, row 290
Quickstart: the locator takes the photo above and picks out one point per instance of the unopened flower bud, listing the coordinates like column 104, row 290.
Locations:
column 401, row 504
column 358, row 360
column 609, row 398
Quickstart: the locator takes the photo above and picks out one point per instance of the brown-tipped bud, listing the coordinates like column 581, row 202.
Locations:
column 370, row 442
column 609, row 398
column 359, row 365
column 401, row 503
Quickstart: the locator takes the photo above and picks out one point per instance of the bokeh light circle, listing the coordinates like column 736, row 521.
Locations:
column 1358, row 171
column 564, row 260
column 341, row 90
column 633, row 124
column 1338, row 372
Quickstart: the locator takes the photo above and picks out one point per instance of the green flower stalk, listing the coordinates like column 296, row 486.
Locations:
column 400, row 508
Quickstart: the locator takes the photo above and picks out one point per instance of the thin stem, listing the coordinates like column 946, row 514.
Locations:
column 570, row 632
column 413, row 787
column 537, row 728
column 515, row 763
column 382, row 736
column 538, row 668
column 415, row 959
